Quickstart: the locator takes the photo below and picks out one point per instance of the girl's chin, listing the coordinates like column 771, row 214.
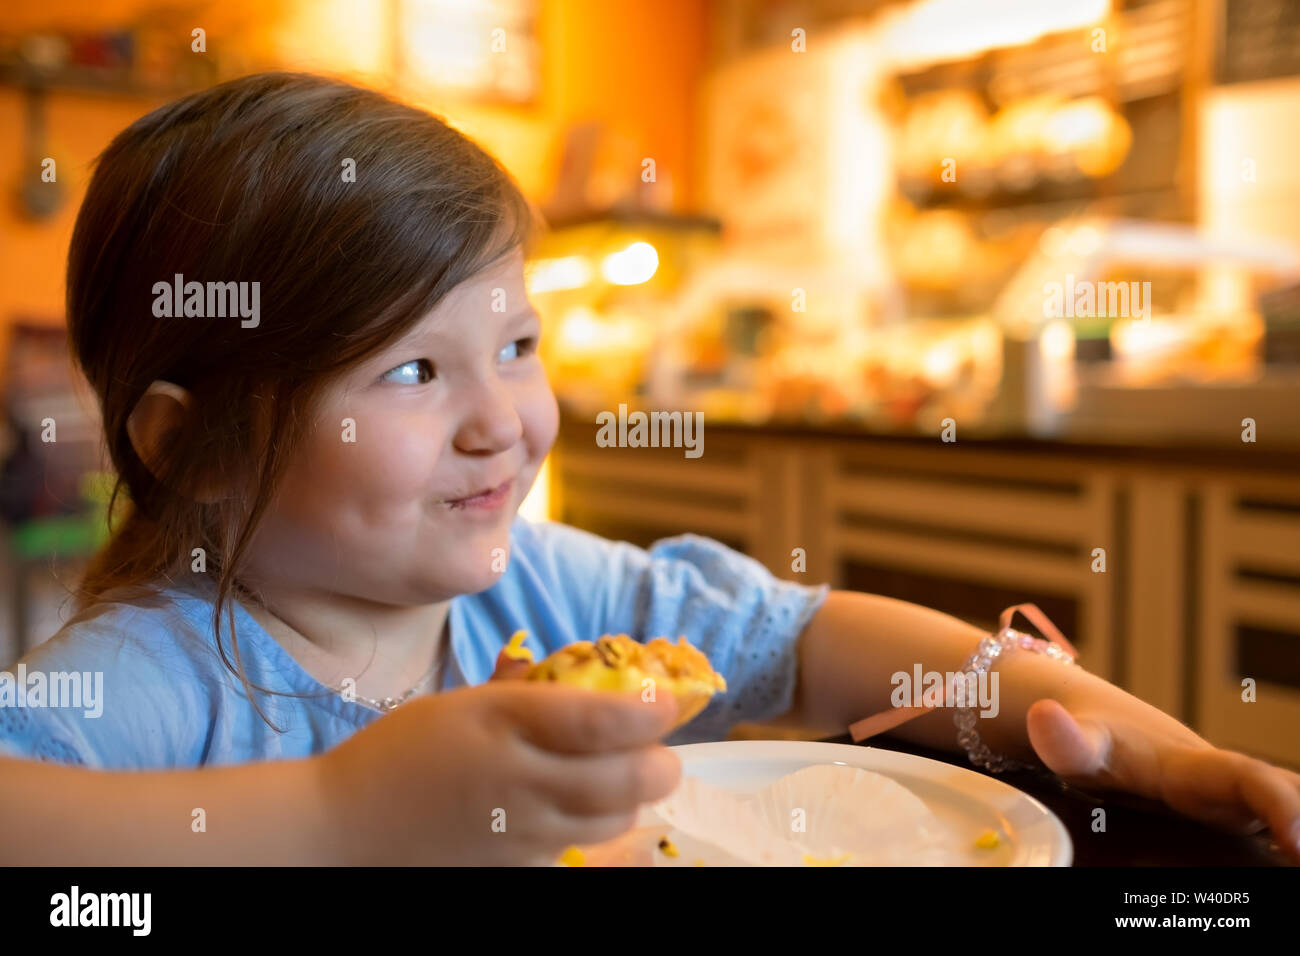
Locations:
column 471, row 583
column 475, row 569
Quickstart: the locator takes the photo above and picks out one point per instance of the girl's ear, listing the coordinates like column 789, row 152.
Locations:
column 163, row 408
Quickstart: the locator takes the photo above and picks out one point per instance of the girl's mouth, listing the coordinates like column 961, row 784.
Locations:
column 488, row 499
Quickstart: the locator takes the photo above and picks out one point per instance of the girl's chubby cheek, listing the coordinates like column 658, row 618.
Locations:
column 540, row 414
column 400, row 460
column 378, row 454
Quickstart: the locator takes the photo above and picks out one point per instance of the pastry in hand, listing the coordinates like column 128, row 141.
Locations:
column 619, row 663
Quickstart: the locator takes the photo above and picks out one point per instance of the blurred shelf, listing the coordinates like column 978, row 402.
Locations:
column 635, row 218
column 95, row 82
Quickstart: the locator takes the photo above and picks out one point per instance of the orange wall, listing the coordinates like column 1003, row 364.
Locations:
column 33, row 254
column 633, row 66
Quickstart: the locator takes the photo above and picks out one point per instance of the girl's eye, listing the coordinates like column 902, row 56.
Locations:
column 517, row 349
column 414, row 372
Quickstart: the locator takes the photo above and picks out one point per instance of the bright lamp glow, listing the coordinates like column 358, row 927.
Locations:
column 632, row 266
column 580, row 328
column 941, row 364
column 554, row 275
column 1057, row 342
column 930, row 30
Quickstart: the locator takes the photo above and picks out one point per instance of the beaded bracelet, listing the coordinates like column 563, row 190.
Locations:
column 986, row 654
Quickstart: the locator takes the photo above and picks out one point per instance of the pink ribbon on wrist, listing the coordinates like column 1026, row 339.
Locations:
column 887, row 720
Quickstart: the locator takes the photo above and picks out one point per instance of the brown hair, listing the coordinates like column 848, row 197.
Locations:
column 245, row 182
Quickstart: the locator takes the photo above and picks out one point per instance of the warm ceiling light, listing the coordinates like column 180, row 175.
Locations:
column 632, row 266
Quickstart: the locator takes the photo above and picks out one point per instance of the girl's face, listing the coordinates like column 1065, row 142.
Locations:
column 419, row 458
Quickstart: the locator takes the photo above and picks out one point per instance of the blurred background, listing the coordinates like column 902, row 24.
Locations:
column 982, row 301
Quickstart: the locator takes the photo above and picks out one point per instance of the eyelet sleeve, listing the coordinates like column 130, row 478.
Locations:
column 27, row 738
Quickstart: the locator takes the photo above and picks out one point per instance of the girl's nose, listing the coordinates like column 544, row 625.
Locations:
column 491, row 423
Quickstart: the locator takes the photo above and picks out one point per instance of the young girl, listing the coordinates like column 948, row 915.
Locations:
column 302, row 308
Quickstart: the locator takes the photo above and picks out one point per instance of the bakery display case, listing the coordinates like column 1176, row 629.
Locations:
column 1115, row 326
column 890, row 211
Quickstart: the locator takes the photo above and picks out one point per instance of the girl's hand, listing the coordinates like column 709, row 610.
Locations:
column 508, row 772
column 1142, row 750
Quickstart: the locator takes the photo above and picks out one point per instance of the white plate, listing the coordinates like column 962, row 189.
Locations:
column 967, row 803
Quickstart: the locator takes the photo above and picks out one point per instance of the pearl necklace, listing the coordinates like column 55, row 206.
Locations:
column 389, row 704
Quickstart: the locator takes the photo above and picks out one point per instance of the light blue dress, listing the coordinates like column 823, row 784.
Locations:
column 168, row 700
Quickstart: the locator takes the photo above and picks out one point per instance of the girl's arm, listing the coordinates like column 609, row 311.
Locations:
column 255, row 814
column 427, row 784
column 1095, row 734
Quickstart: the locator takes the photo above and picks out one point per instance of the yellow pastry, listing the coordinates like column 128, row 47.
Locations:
column 810, row 860
column 618, row 663
column 515, row 650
